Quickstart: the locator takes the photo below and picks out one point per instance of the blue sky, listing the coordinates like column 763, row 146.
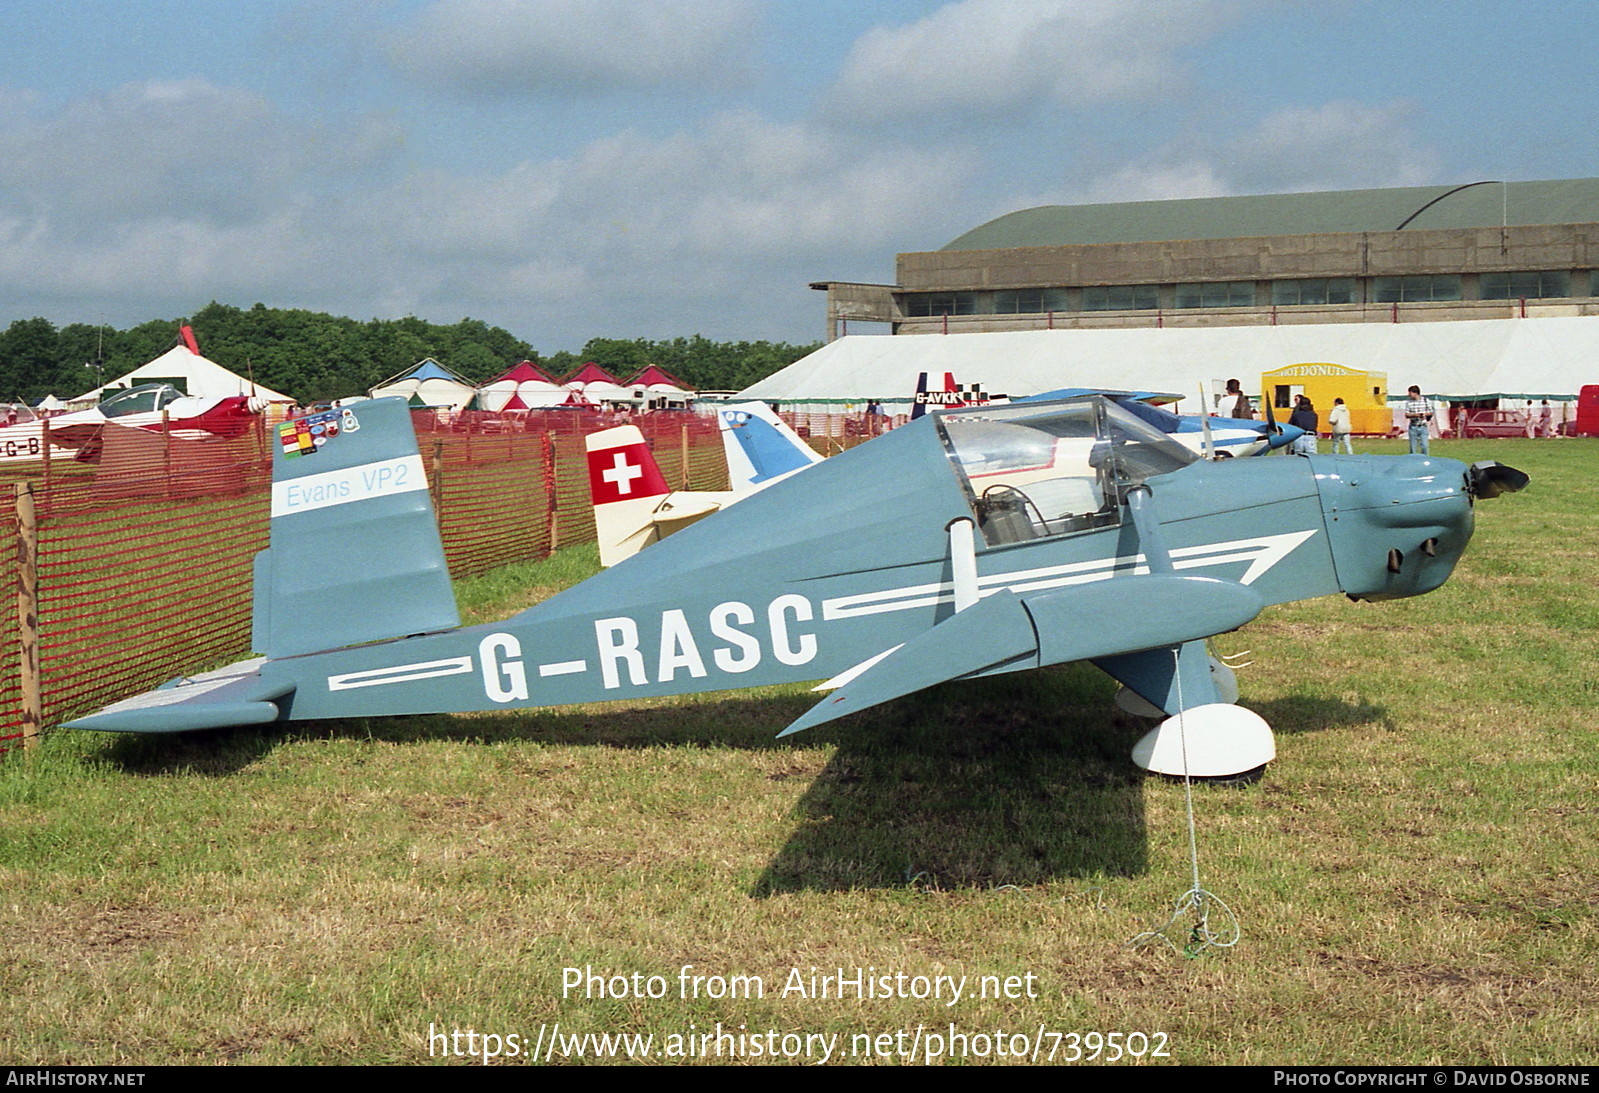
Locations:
column 573, row 168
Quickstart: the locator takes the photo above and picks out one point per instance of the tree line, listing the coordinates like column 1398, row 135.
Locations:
column 311, row 355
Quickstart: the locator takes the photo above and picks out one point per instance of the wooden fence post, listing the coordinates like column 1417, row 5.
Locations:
column 28, row 614
column 438, row 486
column 166, row 452
column 44, row 436
column 553, row 508
column 685, row 455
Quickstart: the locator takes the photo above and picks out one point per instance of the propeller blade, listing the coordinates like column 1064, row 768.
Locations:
column 1490, row 479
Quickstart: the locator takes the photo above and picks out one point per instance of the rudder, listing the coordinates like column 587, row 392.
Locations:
column 355, row 553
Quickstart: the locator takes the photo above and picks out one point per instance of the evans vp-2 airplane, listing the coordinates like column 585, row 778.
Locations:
column 965, row 544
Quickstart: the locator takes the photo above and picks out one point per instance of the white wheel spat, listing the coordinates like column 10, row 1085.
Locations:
column 1223, row 740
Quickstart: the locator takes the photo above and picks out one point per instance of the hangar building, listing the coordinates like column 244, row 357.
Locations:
column 1164, row 295
column 1479, row 250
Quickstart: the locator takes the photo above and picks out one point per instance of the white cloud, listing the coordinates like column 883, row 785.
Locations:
column 1187, row 178
column 1333, row 146
column 187, row 192
column 985, row 58
column 697, row 224
column 185, row 149
column 575, row 46
column 1337, row 145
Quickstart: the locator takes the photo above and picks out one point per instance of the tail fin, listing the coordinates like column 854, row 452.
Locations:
column 355, row 553
column 760, row 446
column 627, row 487
column 919, row 402
column 950, row 398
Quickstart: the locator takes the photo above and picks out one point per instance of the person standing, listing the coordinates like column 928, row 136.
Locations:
column 1418, row 413
column 1235, row 403
column 1546, row 420
column 1304, row 417
column 1338, row 423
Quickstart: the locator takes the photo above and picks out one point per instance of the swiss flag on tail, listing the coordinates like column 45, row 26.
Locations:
column 625, row 472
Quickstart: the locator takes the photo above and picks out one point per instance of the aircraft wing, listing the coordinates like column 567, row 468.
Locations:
column 1008, row 630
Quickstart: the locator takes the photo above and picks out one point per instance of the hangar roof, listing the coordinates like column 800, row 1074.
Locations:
column 1470, row 205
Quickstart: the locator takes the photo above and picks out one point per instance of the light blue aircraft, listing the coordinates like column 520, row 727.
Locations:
column 968, row 543
column 1212, row 437
column 1218, row 437
column 760, row 447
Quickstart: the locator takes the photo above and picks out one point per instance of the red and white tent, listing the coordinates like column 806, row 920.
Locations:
column 594, row 384
column 524, row 387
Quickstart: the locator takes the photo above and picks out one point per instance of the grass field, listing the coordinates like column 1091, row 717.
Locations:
column 1416, row 878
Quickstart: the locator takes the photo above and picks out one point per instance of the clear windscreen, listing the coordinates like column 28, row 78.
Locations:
column 1053, row 468
column 139, row 400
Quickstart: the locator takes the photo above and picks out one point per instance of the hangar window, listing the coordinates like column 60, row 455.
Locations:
column 1216, row 294
column 1121, row 297
column 1029, row 301
column 1404, row 290
column 1525, row 285
column 925, row 304
column 1314, row 290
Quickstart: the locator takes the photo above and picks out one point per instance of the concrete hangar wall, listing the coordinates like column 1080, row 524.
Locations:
column 1484, row 250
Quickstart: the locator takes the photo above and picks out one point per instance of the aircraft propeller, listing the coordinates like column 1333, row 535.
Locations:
column 1271, row 418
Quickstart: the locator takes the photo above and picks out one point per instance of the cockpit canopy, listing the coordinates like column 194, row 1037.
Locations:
column 144, row 399
column 1036, row 470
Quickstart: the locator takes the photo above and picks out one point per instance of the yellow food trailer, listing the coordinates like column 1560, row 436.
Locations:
column 1365, row 393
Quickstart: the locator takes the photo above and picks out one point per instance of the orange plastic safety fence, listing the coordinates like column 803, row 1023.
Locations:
column 145, row 553
column 137, row 591
column 10, row 676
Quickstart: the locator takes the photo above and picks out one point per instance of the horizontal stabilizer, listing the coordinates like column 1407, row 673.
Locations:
column 231, row 696
column 683, row 509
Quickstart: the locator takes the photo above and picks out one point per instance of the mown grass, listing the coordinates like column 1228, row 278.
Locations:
column 1415, row 877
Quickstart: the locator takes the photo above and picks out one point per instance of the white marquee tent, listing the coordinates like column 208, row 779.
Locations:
column 428, row 383
column 191, row 373
column 1531, row 358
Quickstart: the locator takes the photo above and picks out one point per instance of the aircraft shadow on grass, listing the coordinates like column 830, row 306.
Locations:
column 997, row 781
column 1018, row 779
